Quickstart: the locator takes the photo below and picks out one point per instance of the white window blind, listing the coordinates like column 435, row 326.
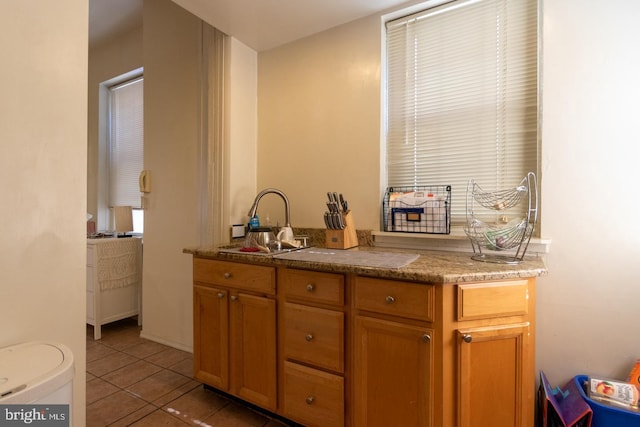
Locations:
column 462, row 96
column 126, row 142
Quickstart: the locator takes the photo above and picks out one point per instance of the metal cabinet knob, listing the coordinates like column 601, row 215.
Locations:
column 227, row 275
column 220, row 295
column 308, row 337
column 309, row 400
column 311, row 287
column 390, row 300
column 426, row 338
column 467, row 338
column 234, row 297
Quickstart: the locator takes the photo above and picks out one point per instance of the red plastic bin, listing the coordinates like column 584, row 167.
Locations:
column 607, row 416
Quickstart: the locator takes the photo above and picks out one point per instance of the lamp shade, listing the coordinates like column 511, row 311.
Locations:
column 124, row 218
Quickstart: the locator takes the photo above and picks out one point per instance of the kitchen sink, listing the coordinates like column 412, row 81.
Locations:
column 376, row 259
column 236, row 250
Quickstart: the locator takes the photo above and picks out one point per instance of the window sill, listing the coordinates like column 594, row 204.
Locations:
column 457, row 241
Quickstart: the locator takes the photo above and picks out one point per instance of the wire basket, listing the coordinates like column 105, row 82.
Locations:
column 501, row 199
column 497, row 238
column 513, row 236
column 417, row 209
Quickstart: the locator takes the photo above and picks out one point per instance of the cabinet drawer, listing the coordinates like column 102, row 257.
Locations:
column 237, row 275
column 312, row 286
column 493, row 299
column 313, row 397
column 314, row 336
column 404, row 299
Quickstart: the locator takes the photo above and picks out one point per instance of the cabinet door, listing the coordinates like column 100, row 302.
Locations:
column 211, row 336
column 253, row 349
column 494, row 377
column 393, row 374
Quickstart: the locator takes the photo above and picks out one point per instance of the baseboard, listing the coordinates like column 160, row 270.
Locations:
column 179, row 346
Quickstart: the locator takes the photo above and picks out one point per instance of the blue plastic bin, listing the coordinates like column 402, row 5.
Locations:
column 607, row 416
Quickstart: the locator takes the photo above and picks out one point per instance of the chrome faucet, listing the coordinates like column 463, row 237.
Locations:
column 254, row 207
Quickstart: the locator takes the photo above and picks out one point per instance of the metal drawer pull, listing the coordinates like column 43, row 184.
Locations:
column 311, row 287
column 220, row 295
column 309, row 400
column 227, row 275
column 390, row 299
column 467, row 338
column 309, row 337
column 426, row 338
column 234, row 297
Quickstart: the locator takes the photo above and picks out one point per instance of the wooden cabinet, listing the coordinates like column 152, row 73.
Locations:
column 446, row 355
column 494, row 348
column 493, row 384
column 235, row 330
column 365, row 351
column 211, row 336
column 312, row 343
column 393, row 359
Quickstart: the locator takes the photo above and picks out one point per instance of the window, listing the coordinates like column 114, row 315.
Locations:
column 462, row 96
column 126, row 141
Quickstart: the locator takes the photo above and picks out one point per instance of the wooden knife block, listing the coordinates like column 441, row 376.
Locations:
column 345, row 238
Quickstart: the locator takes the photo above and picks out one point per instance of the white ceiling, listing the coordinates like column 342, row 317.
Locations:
column 260, row 24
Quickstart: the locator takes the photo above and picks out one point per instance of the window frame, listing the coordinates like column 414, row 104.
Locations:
column 112, row 149
column 105, row 217
column 456, row 226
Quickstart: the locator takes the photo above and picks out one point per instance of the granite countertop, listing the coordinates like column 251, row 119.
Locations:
column 428, row 267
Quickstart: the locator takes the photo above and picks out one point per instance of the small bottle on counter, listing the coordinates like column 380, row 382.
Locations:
column 254, row 223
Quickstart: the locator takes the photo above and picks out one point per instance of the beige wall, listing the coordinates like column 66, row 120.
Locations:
column 172, row 97
column 588, row 305
column 106, row 61
column 319, row 130
column 241, row 125
column 319, row 123
column 171, row 127
column 172, row 154
column 43, row 158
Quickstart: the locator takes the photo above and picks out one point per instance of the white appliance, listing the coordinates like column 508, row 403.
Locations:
column 36, row 373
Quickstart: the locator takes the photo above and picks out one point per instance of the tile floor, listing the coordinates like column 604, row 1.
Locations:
column 136, row 382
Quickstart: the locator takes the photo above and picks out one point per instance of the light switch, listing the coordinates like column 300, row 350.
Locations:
column 237, row 230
